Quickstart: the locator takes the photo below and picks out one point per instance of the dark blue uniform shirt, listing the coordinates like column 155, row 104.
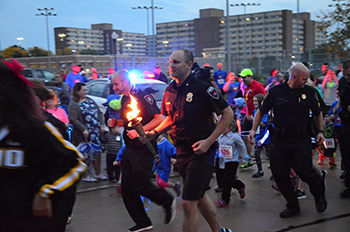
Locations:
column 190, row 107
column 291, row 106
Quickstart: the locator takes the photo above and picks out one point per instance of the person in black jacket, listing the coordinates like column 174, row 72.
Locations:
column 38, row 169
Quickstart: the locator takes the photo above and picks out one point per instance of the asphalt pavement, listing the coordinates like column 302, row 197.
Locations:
column 99, row 207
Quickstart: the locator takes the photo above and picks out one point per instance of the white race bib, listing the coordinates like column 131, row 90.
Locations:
column 225, row 151
column 329, row 143
column 221, row 81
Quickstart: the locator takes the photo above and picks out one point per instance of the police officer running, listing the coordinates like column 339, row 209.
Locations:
column 188, row 104
column 291, row 102
column 137, row 160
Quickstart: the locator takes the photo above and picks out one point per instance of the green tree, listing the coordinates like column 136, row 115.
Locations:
column 336, row 27
column 93, row 52
column 14, row 52
column 36, row 51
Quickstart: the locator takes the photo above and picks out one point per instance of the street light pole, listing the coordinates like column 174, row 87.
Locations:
column 298, row 53
column 115, row 37
column 245, row 27
column 228, row 37
column 47, row 13
column 153, row 37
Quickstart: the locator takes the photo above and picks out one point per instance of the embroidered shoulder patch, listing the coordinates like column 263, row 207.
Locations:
column 149, row 99
column 213, row 92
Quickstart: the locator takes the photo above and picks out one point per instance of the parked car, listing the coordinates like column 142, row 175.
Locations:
column 99, row 90
column 39, row 74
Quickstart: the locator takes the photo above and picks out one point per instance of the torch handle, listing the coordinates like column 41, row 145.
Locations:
column 141, row 132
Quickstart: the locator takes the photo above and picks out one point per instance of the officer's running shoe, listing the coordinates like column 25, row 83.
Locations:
column 246, row 165
column 287, row 213
column 170, row 211
column 345, row 193
column 300, row 194
column 138, row 228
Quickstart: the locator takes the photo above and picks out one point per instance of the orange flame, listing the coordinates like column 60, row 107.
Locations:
column 134, row 110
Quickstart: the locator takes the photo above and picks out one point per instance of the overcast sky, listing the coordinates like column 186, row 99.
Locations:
column 17, row 17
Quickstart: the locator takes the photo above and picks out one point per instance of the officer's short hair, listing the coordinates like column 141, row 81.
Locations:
column 188, row 55
column 123, row 75
column 346, row 65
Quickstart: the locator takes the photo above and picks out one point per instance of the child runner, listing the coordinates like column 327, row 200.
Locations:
column 166, row 151
column 262, row 138
column 231, row 147
column 329, row 143
column 114, row 142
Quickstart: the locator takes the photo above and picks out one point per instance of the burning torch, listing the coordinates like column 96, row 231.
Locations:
column 135, row 122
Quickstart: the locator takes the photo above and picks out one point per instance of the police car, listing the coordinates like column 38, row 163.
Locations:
column 99, row 90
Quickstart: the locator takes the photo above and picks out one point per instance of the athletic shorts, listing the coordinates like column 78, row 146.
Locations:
column 196, row 171
column 247, row 125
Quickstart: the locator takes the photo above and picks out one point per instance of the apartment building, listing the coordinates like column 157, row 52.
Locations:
column 99, row 38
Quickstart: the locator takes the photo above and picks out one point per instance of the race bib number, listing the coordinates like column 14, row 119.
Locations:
column 220, row 81
column 329, row 143
column 225, row 151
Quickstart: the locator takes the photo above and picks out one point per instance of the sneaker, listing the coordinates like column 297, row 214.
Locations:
column 69, row 219
column 275, row 187
column 170, row 212
column 225, row 230
column 246, row 165
column 321, row 160
column 100, row 176
column 258, row 174
column 321, row 204
column 242, row 192
column 89, row 179
column 300, row 194
column 138, row 228
column 287, row 213
column 342, row 175
column 218, row 190
column 177, row 189
column 345, row 193
column 332, row 166
column 221, row 203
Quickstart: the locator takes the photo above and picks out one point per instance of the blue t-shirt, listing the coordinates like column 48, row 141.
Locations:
column 72, row 79
column 166, row 151
column 260, row 132
column 336, row 120
column 231, row 94
column 220, row 78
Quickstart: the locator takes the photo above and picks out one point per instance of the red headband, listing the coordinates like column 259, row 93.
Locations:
column 16, row 67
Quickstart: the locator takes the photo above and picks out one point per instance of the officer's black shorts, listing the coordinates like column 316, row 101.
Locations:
column 196, row 171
